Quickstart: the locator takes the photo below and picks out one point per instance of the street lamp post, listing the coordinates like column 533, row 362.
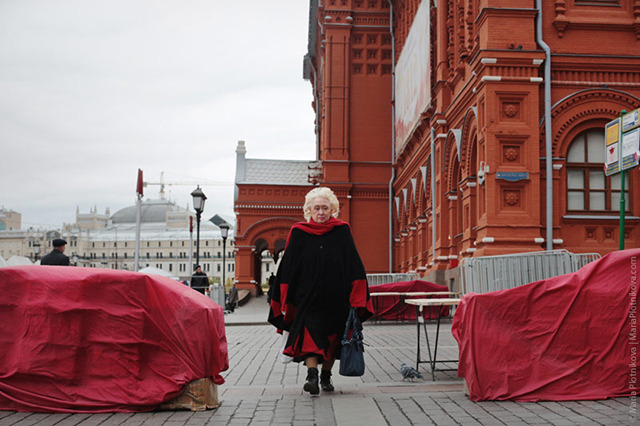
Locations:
column 224, row 232
column 36, row 251
column 198, row 205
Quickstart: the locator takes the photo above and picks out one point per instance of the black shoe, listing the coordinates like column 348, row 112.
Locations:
column 325, row 381
column 312, row 382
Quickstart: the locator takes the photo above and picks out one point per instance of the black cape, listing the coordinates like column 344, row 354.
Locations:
column 319, row 278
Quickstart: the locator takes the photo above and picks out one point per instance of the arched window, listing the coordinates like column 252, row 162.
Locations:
column 588, row 189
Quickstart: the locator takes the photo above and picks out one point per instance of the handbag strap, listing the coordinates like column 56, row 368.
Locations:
column 353, row 323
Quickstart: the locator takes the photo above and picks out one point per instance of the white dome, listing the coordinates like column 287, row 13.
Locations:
column 153, row 211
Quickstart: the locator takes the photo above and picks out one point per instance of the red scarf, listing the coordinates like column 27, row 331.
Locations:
column 315, row 228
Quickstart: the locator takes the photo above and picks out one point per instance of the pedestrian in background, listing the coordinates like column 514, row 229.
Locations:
column 320, row 277
column 272, row 280
column 233, row 298
column 57, row 256
column 199, row 280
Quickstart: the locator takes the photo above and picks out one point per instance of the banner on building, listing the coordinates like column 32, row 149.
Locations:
column 412, row 78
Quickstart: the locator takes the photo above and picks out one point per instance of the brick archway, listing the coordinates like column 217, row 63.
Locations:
column 267, row 234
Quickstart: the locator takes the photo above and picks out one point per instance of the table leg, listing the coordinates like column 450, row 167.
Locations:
column 432, row 364
column 418, row 339
column 376, row 309
column 435, row 348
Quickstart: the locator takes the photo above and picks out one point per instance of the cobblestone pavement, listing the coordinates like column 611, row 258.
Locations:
column 259, row 390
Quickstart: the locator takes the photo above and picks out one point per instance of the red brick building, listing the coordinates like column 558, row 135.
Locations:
column 485, row 118
column 472, row 177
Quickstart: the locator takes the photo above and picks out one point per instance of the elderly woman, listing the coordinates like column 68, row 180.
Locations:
column 319, row 278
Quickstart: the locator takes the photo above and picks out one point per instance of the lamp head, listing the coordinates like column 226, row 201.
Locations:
column 198, row 199
column 224, row 230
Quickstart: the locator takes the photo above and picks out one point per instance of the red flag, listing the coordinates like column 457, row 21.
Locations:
column 191, row 224
column 140, row 184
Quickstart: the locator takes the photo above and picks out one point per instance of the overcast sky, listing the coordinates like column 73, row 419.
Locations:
column 93, row 90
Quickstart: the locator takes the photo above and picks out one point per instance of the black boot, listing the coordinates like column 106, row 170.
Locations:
column 312, row 381
column 325, row 381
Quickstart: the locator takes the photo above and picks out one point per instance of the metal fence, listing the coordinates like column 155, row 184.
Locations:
column 491, row 273
column 217, row 294
column 377, row 279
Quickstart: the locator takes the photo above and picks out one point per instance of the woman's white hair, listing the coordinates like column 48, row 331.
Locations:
column 323, row 192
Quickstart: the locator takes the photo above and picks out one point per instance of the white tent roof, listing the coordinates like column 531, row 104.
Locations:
column 18, row 261
column 3, row 262
column 150, row 270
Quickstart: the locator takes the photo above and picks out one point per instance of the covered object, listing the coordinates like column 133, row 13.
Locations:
column 98, row 340
column 571, row 337
column 392, row 307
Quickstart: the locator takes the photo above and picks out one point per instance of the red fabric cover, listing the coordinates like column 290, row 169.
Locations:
column 563, row 338
column 393, row 307
column 97, row 340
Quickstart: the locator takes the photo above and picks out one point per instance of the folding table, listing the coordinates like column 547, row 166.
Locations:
column 420, row 304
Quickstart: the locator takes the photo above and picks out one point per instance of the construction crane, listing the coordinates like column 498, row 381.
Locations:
column 162, row 184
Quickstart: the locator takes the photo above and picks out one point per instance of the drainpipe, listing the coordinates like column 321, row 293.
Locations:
column 547, row 124
column 393, row 133
column 433, row 192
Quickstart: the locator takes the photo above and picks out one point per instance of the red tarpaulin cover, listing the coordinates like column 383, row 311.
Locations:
column 97, row 340
column 394, row 308
column 571, row 337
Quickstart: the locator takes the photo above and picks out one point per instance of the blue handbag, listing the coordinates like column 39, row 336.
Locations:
column 352, row 355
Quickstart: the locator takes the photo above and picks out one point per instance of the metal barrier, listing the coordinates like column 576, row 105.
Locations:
column 377, row 279
column 217, row 294
column 491, row 273
column 581, row 259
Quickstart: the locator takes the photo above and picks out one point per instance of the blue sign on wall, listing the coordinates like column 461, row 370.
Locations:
column 512, row 176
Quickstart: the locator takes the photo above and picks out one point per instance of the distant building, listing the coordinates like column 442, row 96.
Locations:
column 108, row 241
column 165, row 242
column 9, row 220
column 92, row 220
